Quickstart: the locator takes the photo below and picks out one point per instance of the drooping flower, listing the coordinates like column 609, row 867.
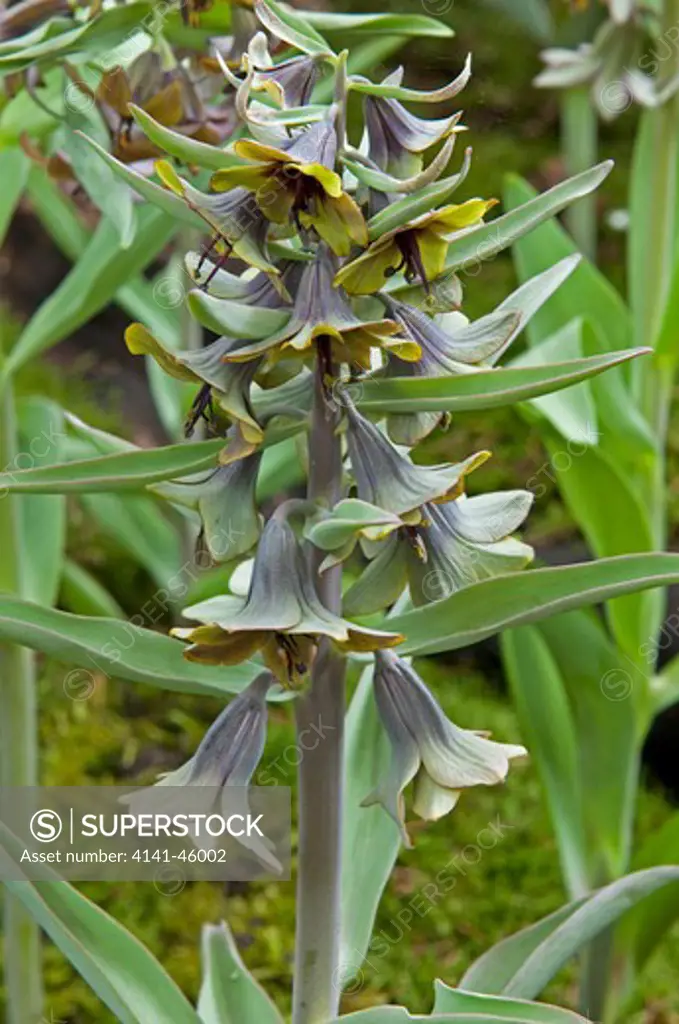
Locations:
column 445, row 352
column 227, row 385
column 386, row 478
column 322, row 310
column 418, row 248
column 289, row 83
column 456, row 544
column 225, row 500
column 226, row 760
column 427, row 747
column 281, row 616
column 397, row 138
column 297, row 182
column 236, row 220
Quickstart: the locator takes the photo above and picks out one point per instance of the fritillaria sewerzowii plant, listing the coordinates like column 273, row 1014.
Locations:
column 330, row 267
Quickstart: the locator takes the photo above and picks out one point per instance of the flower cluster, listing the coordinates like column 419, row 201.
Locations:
column 317, row 273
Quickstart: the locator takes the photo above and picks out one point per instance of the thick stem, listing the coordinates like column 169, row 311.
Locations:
column 18, row 739
column 316, row 989
column 579, row 135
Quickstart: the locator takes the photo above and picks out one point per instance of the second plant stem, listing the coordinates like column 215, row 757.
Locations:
column 316, row 989
column 18, row 736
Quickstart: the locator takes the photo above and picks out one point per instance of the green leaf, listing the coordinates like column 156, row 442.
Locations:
column 548, row 730
column 42, row 517
column 371, row 840
column 411, row 25
column 523, row 964
column 223, row 316
column 649, row 922
column 124, row 471
column 104, row 188
column 486, row 608
column 588, row 293
column 188, row 150
column 122, row 650
column 83, row 594
column 471, row 247
column 57, row 213
column 14, row 168
column 487, row 389
column 58, row 37
column 573, row 412
column 122, row 972
column 229, row 994
column 92, row 283
column 611, row 513
column 161, row 197
column 604, row 690
column 455, row 1000
column 399, row 1015
column 293, row 28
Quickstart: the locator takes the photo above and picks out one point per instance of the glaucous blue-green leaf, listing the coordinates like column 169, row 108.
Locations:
column 455, row 1000
column 488, row 607
column 229, row 994
column 487, row 389
column 188, row 150
column 371, row 840
column 106, row 190
column 42, row 518
column 472, row 247
column 122, row 471
column 549, row 732
column 399, row 1015
column 116, row 966
column 100, row 271
column 161, row 197
column 522, row 965
column 122, row 650
column 292, row 27
column 410, row 25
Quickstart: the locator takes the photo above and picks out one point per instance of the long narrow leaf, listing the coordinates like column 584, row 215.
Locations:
column 124, row 650
column 486, row 608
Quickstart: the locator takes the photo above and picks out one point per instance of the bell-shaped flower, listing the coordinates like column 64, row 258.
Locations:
column 223, row 765
column 445, row 352
column 418, row 248
column 281, row 615
column 390, row 480
column 289, row 83
column 235, row 219
column 456, row 544
column 227, row 384
column 427, row 747
column 297, row 182
column 226, row 503
column 396, row 138
column 323, row 310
